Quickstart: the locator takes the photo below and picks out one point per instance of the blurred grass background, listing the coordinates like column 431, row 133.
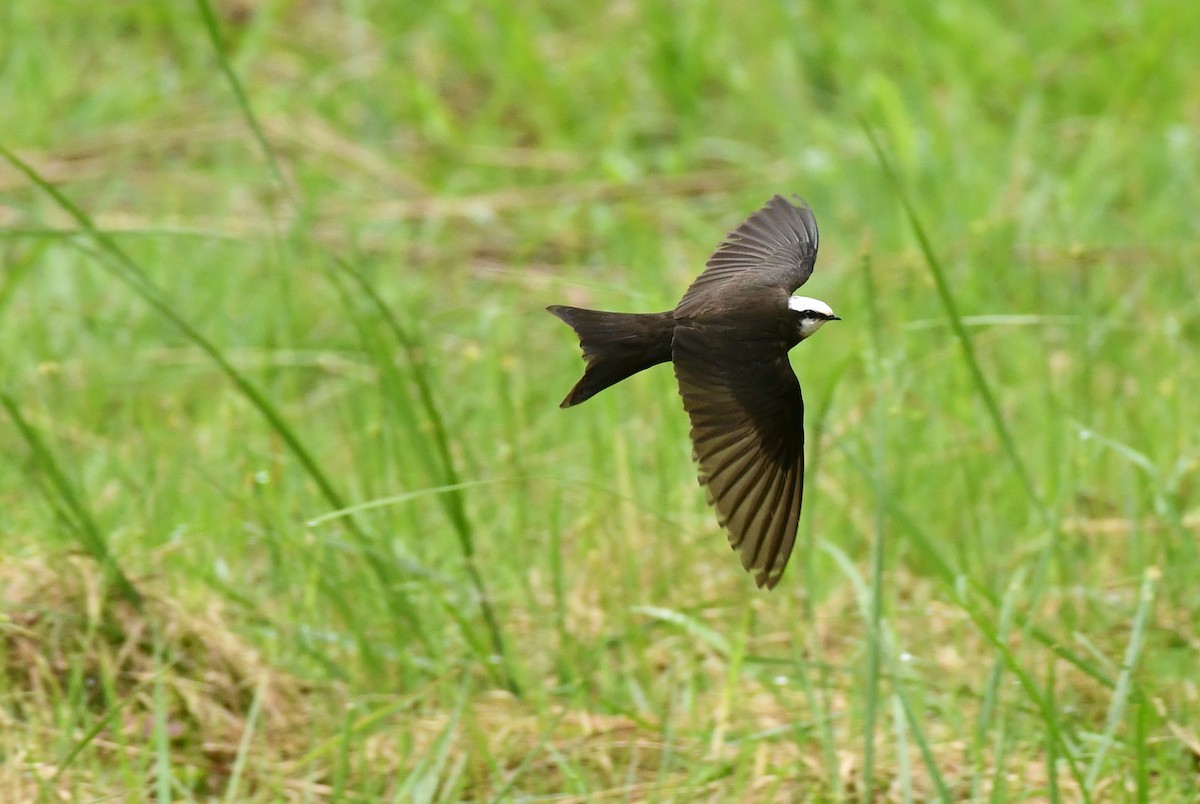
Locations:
column 275, row 353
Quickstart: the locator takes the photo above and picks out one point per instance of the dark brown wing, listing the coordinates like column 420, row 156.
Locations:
column 775, row 248
column 748, row 431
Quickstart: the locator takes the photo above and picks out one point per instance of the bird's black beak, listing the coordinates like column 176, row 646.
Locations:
column 835, row 318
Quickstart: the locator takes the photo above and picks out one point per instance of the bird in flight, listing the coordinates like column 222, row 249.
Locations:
column 728, row 339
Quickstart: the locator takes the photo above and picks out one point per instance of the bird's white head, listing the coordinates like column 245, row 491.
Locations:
column 813, row 314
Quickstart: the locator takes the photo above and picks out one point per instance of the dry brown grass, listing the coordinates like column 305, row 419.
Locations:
column 65, row 642
column 73, row 657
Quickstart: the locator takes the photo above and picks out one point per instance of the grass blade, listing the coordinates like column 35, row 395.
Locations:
column 965, row 342
column 914, row 725
column 161, row 737
column 1142, row 770
column 84, row 523
column 899, row 725
column 127, row 271
column 214, row 34
column 91, row 734
column 533, row 753
column 1120, row 699
column 453, row 500
column 396, row 499
column 991, row 691
column 243, row 750
column 917, row 535
column 421, row 785
column 1000, row 426
column 690, row 625
column 878, row 545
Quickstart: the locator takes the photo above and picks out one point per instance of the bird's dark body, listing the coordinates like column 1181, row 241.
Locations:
column 619, row 345
column 728, row 339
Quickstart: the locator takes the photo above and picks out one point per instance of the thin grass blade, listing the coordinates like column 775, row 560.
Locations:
column 87, row 531
column 124, row 268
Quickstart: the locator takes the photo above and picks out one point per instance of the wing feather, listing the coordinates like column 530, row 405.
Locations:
column 775, row 248
column 747, row 418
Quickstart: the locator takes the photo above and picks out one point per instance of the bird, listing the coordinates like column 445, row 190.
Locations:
column 728, row 340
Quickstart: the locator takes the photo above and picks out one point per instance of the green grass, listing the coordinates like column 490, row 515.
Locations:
column 287, row 506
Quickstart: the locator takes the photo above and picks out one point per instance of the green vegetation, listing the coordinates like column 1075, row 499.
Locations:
column 287, row 506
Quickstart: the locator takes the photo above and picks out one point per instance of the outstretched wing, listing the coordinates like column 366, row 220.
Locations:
column 748, row 432
column 774, row 249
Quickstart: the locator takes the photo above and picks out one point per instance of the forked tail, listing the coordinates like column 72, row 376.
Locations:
column 615, row 346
